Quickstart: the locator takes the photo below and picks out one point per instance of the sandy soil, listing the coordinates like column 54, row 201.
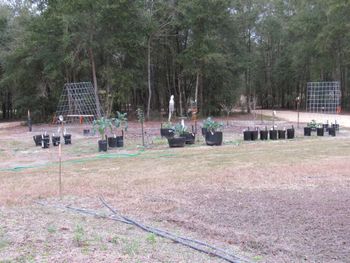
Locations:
column 281, row 201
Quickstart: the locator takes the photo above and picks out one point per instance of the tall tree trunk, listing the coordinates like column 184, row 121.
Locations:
column 93, row 71
column 180, row 94
column 149, row 77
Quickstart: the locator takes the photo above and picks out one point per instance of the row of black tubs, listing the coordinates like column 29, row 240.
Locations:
column 320, row 131
column 252, row 135
column 43, row 140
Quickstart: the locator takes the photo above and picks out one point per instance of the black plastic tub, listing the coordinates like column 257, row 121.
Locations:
column 56, row 140
column 120, row 141
column 331, row 131
column 290, row 133
column 214, row 138
column 86, row 132
column 37, row 139
column 247, row 136
column 177, row 142
column 190, row 137
column 264, row 135
column 112, row 142
column 273, row 134
column 67, row 139
column 281, row 134
column 320, row 131
column 307, row 131
column 102, row 145
column 167, row 133
column 254, row 135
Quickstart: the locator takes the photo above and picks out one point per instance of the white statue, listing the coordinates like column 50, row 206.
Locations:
column 171, row 106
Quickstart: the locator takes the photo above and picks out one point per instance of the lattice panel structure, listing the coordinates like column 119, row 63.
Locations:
column 323, row 97
column 79, row 103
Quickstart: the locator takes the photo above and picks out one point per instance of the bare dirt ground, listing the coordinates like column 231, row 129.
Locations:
column 274, row 201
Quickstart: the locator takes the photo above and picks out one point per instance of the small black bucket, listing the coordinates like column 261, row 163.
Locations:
column 102, row 145
column 120, row 141
column 264, row 134
column 273, row 134
column 281, row 134
column 307, row 131
column 331, row 131
column 254, row 135
column 56, row 140
column 320, row 131
column 67, row 139
column 290, row 133
column 247, row 135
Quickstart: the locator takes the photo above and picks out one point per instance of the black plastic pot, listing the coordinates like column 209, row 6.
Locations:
column 273, row 134
column 281, row 134
column 56, row 140
column 177, row 141
column 67, row 139
column 45, row 141
column 190, row 137
column 290, row 133
column 214, row 138
column 37, row 139
column 247, row 136
column 204, row 131
column 254, row 135
column 331, row 131
column 167, row 133
column 86, row 132
column 112, row 142
column 320, row 131
column 307, row 131
column 264, row 134
column 102, row 145
column 120, row 141
column 336, row 126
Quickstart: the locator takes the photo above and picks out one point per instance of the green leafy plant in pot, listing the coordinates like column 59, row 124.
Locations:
column 101, row 126
column 213, row 135
column 119, row 122
column 179, row 139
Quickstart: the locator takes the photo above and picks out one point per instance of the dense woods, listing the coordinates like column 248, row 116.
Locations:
column 139, row 52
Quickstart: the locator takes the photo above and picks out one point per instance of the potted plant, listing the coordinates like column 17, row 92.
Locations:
column 67, row 137
column 121, row 121
column 206, row 124
column 320, row 130
column 101, row 125
column 190, row 136
column 45, row 141
column 166, row 130
column 332, row 130
column 55, row 140
column 282, row 134
column 312, row 125
column 37, row 139
column 179, row 139
column 290, row 133
column 247, row 135
column 254, row 134
column 213, row 135
column 264, row 134
column 273, row 134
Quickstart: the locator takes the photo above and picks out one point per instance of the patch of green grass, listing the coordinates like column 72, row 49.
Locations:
column 131, row 248
column 151, row 238
column 51, row 229
column 79, row 236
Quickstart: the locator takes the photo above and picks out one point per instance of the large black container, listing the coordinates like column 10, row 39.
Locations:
column 290, row 133
column 37, row 139
column 264, row 134
column 102, row 145
column 214, row 138
column 45, row 141
column 247, row 136
column 112, row 142
column 190, row 137
column 307, row 131
column 320, row 131
column 177, row 141
column 273, row 134
column 86, row 132
column 282, row 134
column 331, row 131
column 56, row 140
column 167, row 133
column 254, row 135
column 67, row 139
column 120, row 141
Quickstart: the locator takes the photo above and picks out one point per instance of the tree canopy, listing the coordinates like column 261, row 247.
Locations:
column 138, row 53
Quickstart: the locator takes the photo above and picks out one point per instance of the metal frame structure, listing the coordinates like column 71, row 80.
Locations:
column 323, row 97
column 78, row 102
